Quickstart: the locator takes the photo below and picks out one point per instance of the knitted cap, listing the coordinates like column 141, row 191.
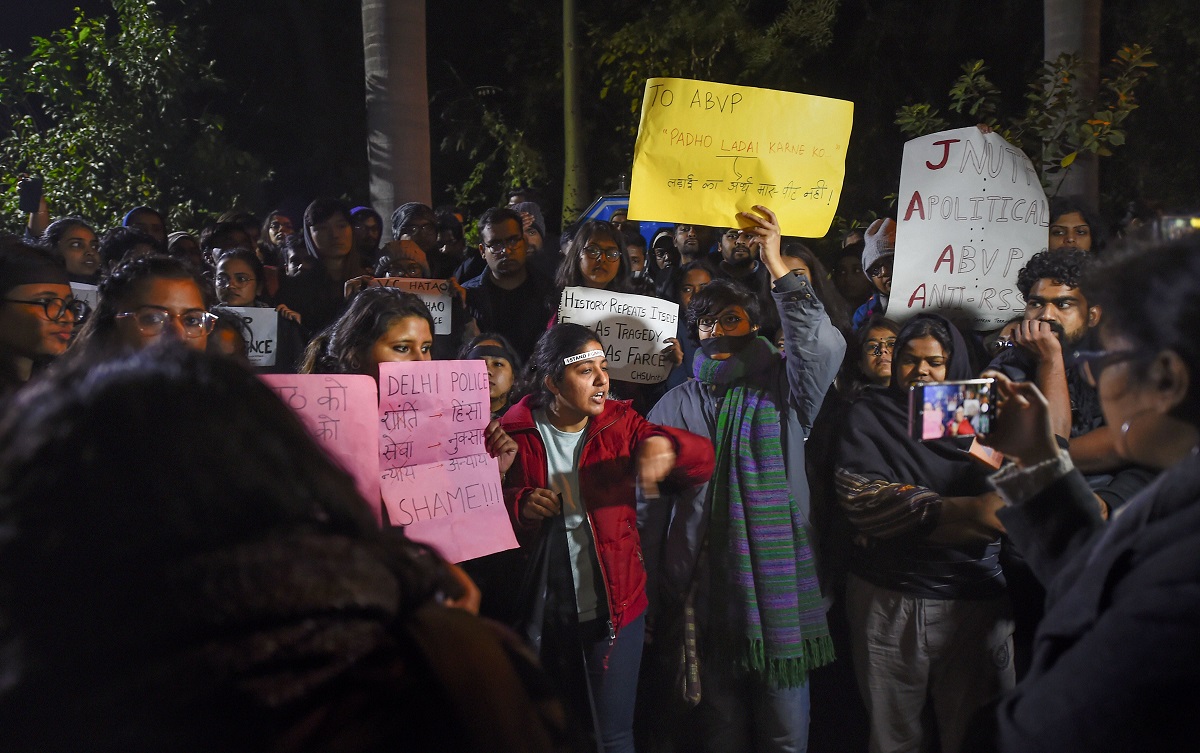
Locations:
column 880, row 240
column 528, row 207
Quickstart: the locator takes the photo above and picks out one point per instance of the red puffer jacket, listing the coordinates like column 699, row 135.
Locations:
column 607, row 483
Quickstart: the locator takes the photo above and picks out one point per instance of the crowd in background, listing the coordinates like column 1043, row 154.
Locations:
column 754, row 554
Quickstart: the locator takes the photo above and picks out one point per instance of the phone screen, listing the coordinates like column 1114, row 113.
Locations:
column 941, row 410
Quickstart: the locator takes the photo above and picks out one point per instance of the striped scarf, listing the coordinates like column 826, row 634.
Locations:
column 770, row 570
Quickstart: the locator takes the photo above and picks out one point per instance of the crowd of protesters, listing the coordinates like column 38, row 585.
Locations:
column 753, row 555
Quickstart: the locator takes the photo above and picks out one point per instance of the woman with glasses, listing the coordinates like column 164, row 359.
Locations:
column 595, row 258
column 240, row 282
column 735, row 571
column 144, row 301
column 1115, row 655
column 38, row 313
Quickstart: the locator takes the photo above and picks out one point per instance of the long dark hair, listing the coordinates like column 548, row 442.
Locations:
column 342, row 347
column 835, row 305
column 546, row 362
column 569, row 273
column 136, row 493
column 57, row 229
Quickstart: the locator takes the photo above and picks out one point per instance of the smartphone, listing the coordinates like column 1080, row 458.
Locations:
column 941, row 410
column 29, row 195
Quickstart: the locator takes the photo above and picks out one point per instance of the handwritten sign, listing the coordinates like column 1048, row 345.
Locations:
column 706, row 151
column 263, row 327
column 86, row 292
column 436, row 477
column 971, row 213
column 633, row 328
column 435, row 293
column 341, row 413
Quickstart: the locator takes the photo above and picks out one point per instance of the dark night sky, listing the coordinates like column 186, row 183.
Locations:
column 295, row 82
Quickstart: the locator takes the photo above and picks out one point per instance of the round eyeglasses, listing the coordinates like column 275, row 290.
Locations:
column 58, row 308
column 152, row 321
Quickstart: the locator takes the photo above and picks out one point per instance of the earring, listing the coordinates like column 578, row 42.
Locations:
column 1161, row 444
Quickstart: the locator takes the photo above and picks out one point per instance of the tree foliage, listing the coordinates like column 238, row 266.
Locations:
column 1058, row 123
column 739, row 42
column 111, row 113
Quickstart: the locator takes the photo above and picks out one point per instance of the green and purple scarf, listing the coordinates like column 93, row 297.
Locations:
column 770, row 567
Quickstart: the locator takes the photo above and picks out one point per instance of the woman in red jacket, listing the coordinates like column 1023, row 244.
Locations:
column 572, row 491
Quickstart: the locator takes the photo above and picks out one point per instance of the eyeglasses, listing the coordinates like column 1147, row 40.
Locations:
column 411, row 269
column 662, row 253
column 727, row 322
column 1094, row 362
column 237, row 280
column 413, row 228
column 151, row 320
column 877, row 347
column 281, row 226
column 595, row 252
column 876, row 272
column 499, row 246
column 57, row 308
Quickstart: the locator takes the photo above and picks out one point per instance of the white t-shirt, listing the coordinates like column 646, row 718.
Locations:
column 562, row 465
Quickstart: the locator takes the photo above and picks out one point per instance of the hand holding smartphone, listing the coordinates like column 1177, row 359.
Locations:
column 940, row 410
column 29, row 195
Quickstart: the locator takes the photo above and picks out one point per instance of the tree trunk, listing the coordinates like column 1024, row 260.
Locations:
column 397, row 104
column 1073, row 26
column 575, row 187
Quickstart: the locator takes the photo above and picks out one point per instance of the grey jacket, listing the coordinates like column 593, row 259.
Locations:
column 673, row 528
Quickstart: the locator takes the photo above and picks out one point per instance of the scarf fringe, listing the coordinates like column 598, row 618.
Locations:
column 790, row 672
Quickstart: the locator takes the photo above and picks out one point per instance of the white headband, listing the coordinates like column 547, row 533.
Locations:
column 583, row 357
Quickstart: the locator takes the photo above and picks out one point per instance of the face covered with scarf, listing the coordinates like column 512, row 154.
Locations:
column 724, row 318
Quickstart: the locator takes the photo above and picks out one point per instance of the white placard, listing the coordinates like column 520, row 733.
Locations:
column 435, row 293
column 263, row 326
column 634, row 330
column 86, row 292
column 971, row 211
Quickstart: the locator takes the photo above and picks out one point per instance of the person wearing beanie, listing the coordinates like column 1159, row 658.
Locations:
column 417, row 223
column 879, row 251
column 38, row 312
column 149, row 221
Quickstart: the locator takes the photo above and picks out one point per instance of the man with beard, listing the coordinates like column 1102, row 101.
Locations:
column 739, row 260
column 1058, row 321
column 687, row 242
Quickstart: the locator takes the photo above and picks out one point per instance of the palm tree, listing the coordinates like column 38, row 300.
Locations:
column 575, row 198
column 397, row 103
column 1073, row 26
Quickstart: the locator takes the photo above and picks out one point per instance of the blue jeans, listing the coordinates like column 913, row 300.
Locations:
column 741, row 713
column 613, row 676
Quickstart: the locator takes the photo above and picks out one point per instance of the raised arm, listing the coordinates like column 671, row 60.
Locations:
column 813, row 346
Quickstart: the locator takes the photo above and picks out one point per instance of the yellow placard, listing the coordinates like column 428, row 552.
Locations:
column 706, row 151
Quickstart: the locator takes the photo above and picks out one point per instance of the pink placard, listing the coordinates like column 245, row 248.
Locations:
column 436, row 477
column 340, row 410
